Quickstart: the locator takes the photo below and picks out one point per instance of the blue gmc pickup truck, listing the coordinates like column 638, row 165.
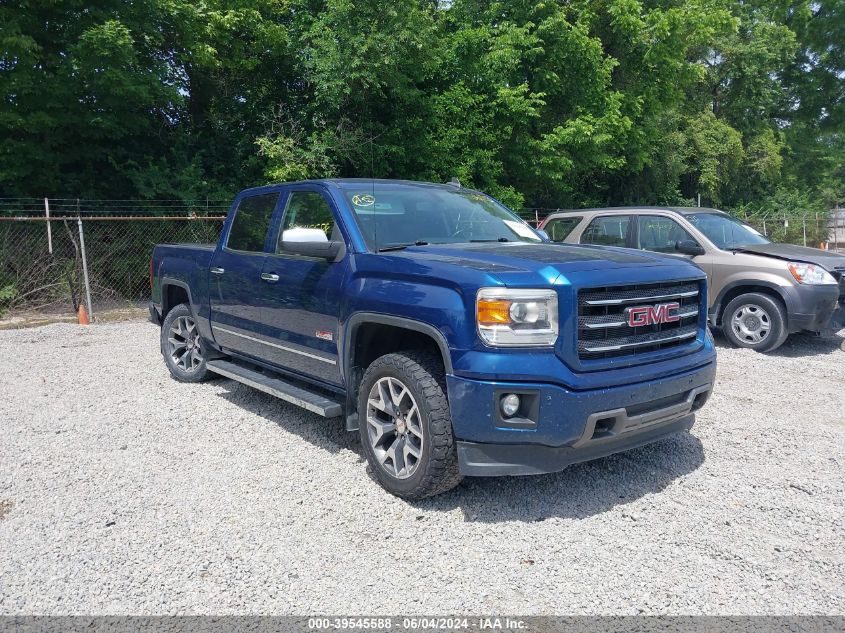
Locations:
column 454, row 337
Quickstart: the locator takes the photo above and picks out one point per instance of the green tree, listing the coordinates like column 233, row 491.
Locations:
column 548, row 104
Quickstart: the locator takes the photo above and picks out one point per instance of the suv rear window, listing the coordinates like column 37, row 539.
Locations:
column 559, row 229
column 607, row 230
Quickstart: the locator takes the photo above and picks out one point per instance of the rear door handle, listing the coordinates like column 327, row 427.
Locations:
column 271, row 277
column 215, row 270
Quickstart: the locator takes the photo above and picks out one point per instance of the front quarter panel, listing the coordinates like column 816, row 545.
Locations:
column 404, row 287
column 734, row 270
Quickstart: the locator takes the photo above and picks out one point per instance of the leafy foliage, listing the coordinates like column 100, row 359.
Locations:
column 7, row 293
column 542, row 103
column 789, row 215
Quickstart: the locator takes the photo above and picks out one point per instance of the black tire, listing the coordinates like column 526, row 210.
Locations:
column 436, row 468
column 185, row 369
column 756, row 310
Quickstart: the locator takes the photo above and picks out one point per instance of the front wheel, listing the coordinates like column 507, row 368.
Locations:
column 755, row 321
column 181, row 346
column 405, row 425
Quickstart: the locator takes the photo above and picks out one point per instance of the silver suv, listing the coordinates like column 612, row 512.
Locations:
column 760, row 292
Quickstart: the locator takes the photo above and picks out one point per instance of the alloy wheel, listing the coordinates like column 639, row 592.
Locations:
column 394, row 427
column 184, row 344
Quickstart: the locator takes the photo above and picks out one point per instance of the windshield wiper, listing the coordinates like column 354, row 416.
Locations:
column 399, row 247
column 499, row 239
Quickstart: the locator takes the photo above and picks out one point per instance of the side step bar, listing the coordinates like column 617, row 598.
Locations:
column 310, row 400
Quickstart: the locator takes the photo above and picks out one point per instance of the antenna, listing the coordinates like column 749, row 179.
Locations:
column 373, row 190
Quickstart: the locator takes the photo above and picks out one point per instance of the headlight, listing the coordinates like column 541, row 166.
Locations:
column 810, row 274
column 512, row 317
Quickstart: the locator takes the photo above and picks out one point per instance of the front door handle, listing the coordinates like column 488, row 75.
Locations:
column 216, row 270
column 271, row 277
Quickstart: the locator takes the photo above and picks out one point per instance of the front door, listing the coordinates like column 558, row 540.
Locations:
column 234, row 277
column 660, row 233
column 302, row 295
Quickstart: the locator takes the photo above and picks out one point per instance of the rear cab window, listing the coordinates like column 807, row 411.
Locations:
column 558, row 229
column 251, row 223
column 607, row 230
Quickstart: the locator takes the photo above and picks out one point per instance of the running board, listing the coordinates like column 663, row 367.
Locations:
column 310, row 400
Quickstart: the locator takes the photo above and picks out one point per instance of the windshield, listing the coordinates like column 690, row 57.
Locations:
column 395, row 215
column 724, row 231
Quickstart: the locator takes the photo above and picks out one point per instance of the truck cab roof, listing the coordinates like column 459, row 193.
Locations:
column 357, row 183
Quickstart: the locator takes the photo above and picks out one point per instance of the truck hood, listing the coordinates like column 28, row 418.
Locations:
column 534, row 258
column 826, row 259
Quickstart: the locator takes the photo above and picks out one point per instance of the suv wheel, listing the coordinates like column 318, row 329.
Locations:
column 181, row 345
column 405, row 427
column 754, row 321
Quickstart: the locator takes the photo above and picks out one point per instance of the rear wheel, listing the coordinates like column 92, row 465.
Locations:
column 181, row 345
column 405, row 426
column 755, row 321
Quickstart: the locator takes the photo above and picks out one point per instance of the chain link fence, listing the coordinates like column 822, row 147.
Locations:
column 47, row 248
column 48, row 245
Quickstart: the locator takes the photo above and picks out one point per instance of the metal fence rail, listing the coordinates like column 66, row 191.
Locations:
column 42, row 207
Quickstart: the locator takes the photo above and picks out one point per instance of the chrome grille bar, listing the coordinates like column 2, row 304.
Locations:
column 593, row 323
column 649, row 340
column 646, row 299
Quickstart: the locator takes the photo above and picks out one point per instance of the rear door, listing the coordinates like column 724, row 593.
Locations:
column 302, row 295
column 235, row 276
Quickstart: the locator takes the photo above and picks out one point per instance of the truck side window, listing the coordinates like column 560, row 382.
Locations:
column 252, row 220
column 307, row 210
column 560, row 228
column 660, row 234
column 607, row 230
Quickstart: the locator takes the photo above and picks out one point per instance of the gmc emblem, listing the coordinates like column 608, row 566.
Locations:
column 649, row 315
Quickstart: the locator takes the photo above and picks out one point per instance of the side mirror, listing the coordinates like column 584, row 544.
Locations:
column 309, row 243
column 688, row 247
column 542, row 234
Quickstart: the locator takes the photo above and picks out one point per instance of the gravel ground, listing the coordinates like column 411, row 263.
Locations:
column 123, row 491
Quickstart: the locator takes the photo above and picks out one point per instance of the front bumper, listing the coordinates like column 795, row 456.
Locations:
column 812, row 308
column 563, row 426
column 837, row 321
column 493, row 460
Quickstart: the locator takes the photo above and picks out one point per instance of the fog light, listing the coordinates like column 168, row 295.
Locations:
column 509, row 404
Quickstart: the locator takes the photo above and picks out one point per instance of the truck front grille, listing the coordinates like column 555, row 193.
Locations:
column 604, row 328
